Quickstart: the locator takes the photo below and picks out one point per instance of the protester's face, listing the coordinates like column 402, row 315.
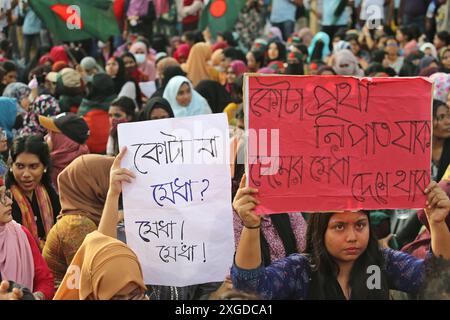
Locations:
column 251, row 62
column 130, row 292
column 225, row 63
column 159, row 113
column 129, row 63
column 441, row 124
column 231, row 76
column 391, row 47
column 347, row 236
column 28, row 171
column 10, row 77
column 446, row 59
column 273, row 52
column 25, row 103
column 354, row 46
column 428, row 52
column 116, row 113
column 112, row 68
column 184, row 95
column 5, row 206
column 438, row 43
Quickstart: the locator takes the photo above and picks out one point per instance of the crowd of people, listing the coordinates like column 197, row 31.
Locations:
column 60, row 163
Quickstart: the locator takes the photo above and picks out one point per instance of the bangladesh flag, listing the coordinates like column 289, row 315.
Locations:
column 220, row 15
column 73, row 20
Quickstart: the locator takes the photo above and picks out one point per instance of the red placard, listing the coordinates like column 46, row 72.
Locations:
column 333, row 143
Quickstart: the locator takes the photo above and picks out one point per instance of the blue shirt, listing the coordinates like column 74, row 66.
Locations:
column 31, row 24
column 289, row 278
column 328, row 18
column 282, row 10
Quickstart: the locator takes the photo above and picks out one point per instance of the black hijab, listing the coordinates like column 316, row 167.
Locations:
column 120, row 79
column 216, row 94
column 168, row 73
column 154, row 103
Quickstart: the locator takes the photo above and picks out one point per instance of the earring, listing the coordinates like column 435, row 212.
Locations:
column 45, row 170
column 10, row 169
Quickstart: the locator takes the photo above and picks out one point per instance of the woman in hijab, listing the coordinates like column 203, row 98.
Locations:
column 155, row 109
column 83, row 186
column 197, row 67
column 8, row 115
column 183, row 99
column 346, row 64
column 181, row 54
column 20, row 258
column 140, row 51
column 235, row 70
column 109, row 269
column 94, row 109
column 44, row 105
column 168, row 73
column 313, row 52
column 20, row 92
column 161, row 65
column 429, row 50
column 115, row 68
column 215, row 94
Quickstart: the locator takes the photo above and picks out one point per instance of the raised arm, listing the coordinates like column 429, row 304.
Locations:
column 248, row 253
column 118, row 175
column 438, row 207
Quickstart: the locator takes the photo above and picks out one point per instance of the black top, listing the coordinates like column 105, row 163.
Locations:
column 54, row 199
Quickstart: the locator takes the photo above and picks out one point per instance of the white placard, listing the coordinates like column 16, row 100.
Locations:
column 178, row 214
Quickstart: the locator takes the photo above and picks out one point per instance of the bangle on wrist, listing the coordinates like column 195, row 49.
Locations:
column 253, row 227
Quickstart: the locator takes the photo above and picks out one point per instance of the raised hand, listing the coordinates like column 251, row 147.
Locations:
column 438, row 203
column 119, row 175
column 244, row 204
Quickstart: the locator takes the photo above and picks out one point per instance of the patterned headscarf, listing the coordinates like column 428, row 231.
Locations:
column 44, row 105
column 18, row 91
column 441, row 86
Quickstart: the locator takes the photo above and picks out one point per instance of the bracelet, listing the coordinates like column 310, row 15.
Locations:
column 255, row 227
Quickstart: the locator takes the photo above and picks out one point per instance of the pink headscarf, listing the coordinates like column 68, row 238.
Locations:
column 441, row 85
column 16, row 258
column 65, row 150
column 148, row 68
column 239, row 67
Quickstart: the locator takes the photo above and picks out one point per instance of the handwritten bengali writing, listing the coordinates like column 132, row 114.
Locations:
column 410, row 135
column 167, row 230
column 177, row 190
column 295, row 171
column 281, row 99
column 171, row 151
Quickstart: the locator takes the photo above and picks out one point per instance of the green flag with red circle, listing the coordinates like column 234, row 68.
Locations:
column 220, row 15
column 74, row 20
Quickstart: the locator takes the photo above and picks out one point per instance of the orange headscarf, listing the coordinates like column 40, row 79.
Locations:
column 101, row 268
column 196, row 67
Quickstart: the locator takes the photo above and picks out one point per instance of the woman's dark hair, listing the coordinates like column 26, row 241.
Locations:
column 234, row 54
column 126, row 105
column 259, row 57
column 129, row 55
column 377, row 56
column 170, row 72
column 444, row 36
column 36, row 145
column 411, row 32
column 325, row 269
column 436, row 105
column 9, row 66
column 281, row 51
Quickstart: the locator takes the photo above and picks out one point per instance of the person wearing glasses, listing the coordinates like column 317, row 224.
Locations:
column 20, row 259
